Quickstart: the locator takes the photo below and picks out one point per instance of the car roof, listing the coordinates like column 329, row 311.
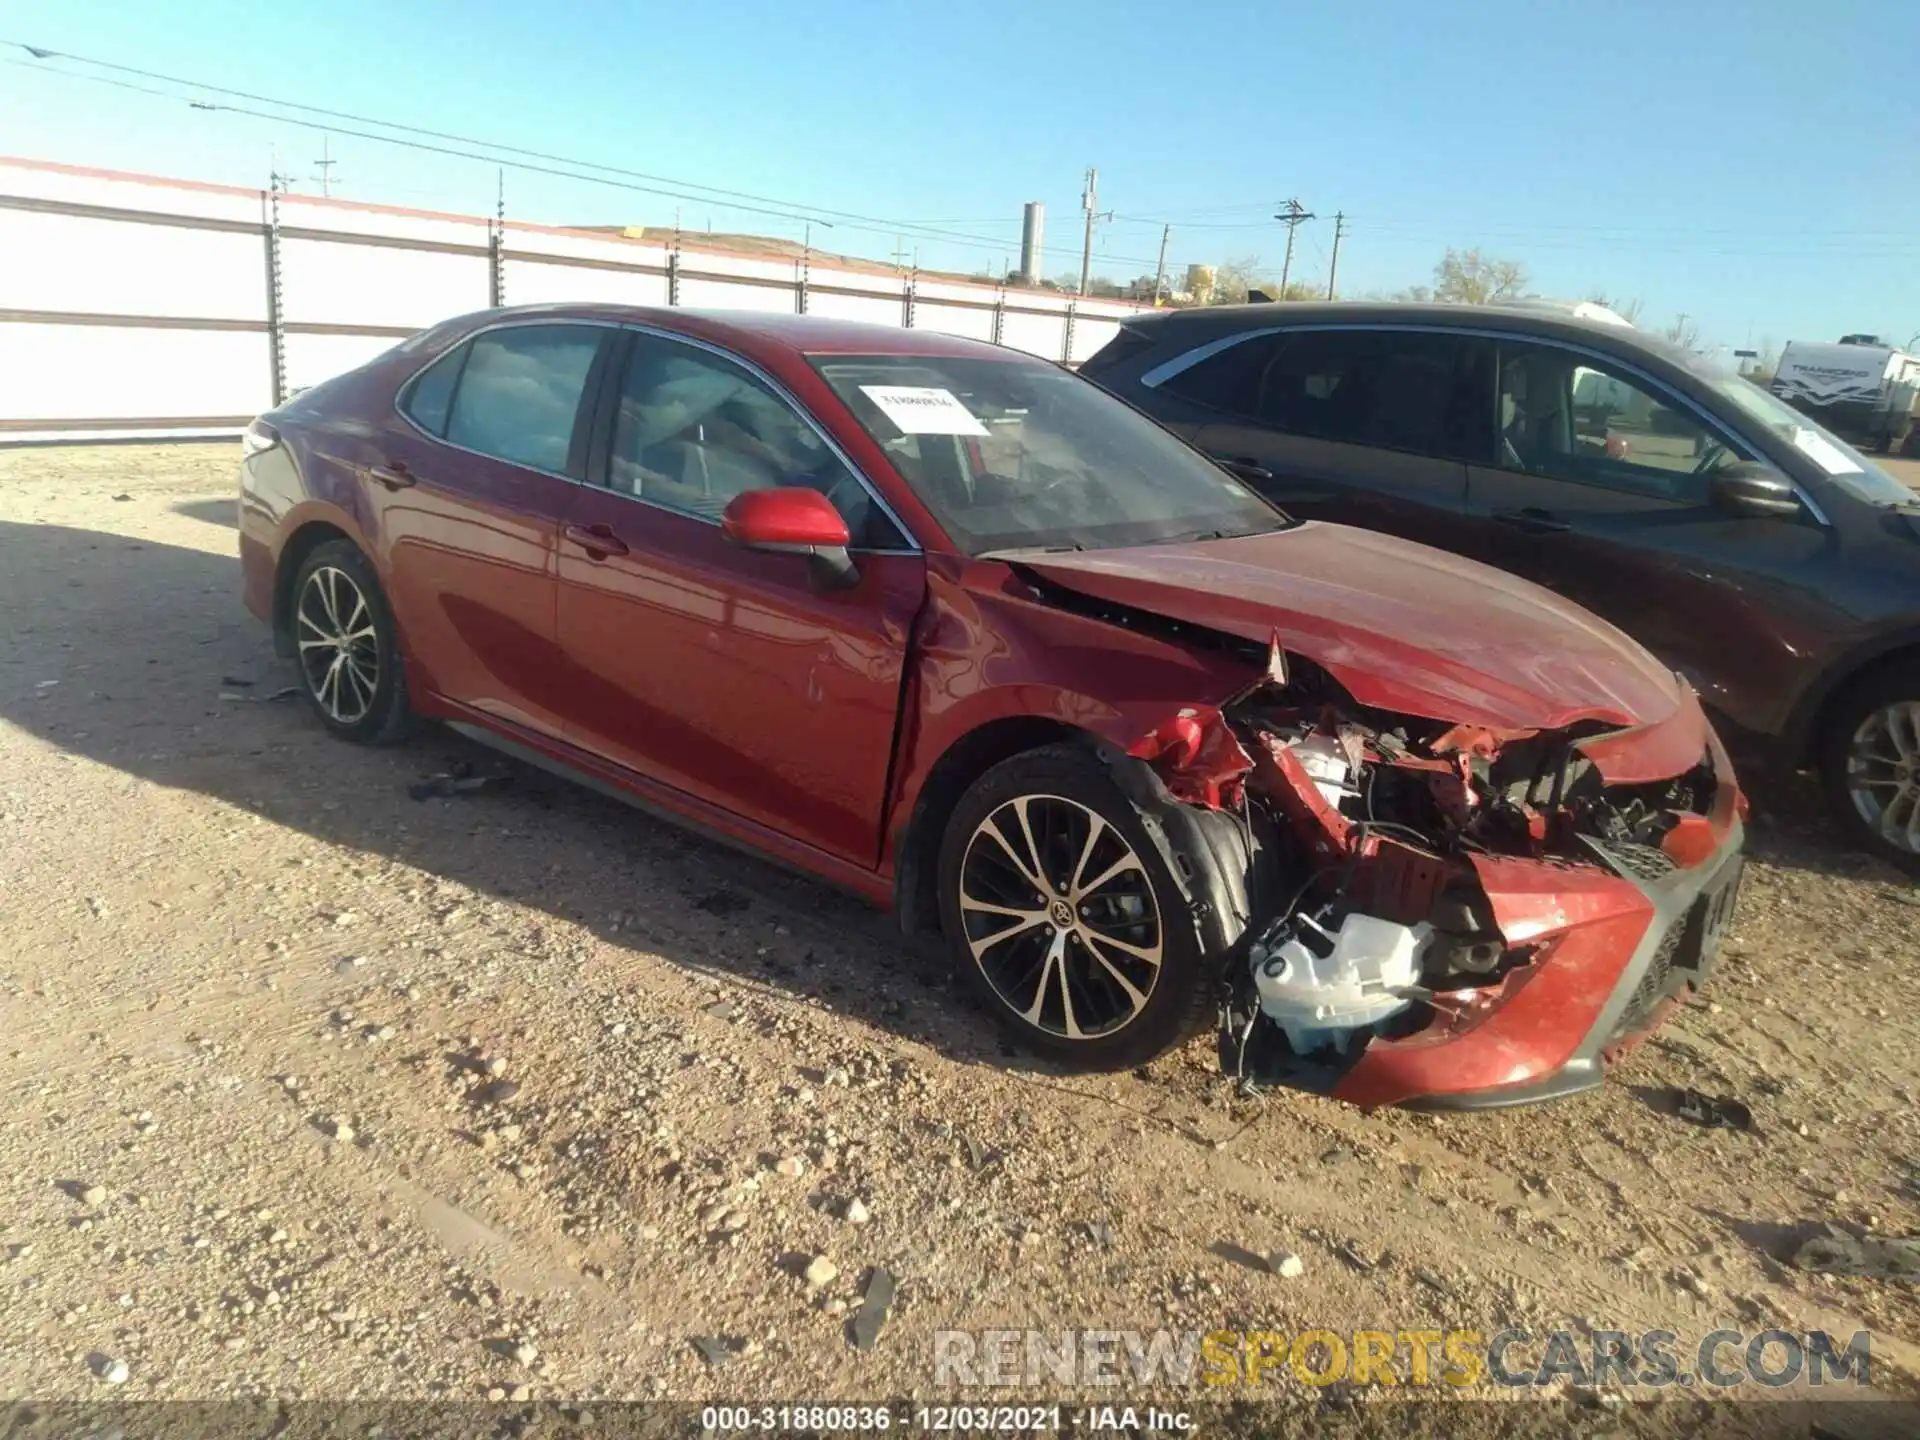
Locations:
column 1214, row 321
column 757, row 331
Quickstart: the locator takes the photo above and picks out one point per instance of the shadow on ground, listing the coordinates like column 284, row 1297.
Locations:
column 160, row 673
column 214, row 512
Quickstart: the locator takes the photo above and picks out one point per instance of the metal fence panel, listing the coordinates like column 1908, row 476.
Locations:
column 952, row 320
column 112, row 372
column 873, row 309
column 334, row 283
column 313, row 358
column 1036, row 334
column 698, row 293
column 134, row 304
column 1089, row 335
column 531, row 282
column 80, row 263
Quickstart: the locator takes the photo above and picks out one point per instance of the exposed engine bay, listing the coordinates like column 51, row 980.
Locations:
column 1410, row 874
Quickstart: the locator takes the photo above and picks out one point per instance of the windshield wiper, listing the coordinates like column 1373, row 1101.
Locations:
column 1218, row 533
column 1002, row 551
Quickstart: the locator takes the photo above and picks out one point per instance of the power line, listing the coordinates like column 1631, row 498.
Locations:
column 742, row 201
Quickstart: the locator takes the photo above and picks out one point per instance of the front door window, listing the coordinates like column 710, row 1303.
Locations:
column 1564, row 416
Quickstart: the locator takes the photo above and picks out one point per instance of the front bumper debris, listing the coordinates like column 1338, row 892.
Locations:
column 1636, row 948
column 1561, row 891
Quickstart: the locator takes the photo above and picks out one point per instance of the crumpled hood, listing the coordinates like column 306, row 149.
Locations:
column 1404, row 627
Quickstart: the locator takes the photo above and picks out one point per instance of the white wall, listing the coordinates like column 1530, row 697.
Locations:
column 102, row 372
column 153, row 305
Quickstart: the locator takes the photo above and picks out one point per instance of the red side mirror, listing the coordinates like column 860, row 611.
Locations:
column 792, row 519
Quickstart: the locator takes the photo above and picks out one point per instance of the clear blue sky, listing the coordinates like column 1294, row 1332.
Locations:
column 1747, row 162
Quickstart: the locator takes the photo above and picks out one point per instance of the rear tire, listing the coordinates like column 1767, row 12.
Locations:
column 1870, row 764
column 348, row 648
column 1064, row 917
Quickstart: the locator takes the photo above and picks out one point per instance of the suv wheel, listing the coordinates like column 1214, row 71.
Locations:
column 1871, row 765
column 1064, row 917
column 348, row 648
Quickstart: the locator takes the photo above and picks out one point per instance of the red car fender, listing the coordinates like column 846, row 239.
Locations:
column 984, row 652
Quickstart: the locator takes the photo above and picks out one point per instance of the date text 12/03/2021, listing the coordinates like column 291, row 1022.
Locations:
column 940, row 1419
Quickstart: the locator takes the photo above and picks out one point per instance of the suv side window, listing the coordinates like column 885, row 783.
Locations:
column 1568, row 416
column 518, row 395
column 1393, row 390
column 1228, row 379
column 692, row 430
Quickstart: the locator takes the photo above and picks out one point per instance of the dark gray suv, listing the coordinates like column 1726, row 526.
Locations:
column 1769, row 562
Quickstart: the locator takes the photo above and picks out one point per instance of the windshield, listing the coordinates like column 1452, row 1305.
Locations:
column 1838, row 461
column 1012, row 454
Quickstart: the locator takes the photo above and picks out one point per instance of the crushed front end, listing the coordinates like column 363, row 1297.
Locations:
column 1451, row 915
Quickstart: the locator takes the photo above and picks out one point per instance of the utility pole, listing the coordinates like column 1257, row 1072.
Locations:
column 1090, row 202
column 1160, row 269
column 899, row 252
column 1292, row 214
column 325, row 164
column 1333, row 269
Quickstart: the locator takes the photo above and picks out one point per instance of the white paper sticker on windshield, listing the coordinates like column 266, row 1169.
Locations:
column 1824, row 453
column 921, row 410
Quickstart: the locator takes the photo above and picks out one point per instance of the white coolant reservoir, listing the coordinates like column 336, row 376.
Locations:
column 1326, row 762
column 1320, row 998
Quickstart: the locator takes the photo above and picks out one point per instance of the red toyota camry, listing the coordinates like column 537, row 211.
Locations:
column 951, row 627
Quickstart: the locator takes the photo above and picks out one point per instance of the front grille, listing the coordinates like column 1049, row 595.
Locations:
column 1652, row 988
column 1648, row 864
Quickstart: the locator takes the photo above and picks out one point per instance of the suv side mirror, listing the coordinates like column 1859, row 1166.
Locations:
column 1754, row 489
column 793, row 520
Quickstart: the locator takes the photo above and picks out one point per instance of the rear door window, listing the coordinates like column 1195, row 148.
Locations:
column 430, row 394
column 1228, row 379
column 518, row 395
column 1394, row 390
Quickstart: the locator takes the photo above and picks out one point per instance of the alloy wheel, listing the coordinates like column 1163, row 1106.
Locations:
column 1060, row 916
column 339, row 647
column 1883, row 773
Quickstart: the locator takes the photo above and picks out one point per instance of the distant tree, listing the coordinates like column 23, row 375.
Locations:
column 1232, row 279
column 1628, row 310
column 1683, row 332
column 1466, row 277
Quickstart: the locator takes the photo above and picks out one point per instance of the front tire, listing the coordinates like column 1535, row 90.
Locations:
column 348, row 647
column 1870, row 764
column 1064, row 917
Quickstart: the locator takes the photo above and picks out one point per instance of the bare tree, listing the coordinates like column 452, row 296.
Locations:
column 1682, row 331
column 1234, row 282
column 1466, row 277
column 1627, row 310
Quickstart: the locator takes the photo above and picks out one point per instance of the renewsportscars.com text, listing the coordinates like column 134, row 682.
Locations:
column 1455, row 1358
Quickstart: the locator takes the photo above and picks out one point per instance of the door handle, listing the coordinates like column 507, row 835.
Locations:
column 598, row 541
column 1244, row 466
column 395, row 476
column 1533, row 521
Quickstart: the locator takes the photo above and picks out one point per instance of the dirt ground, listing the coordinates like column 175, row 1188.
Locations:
column 1907, row 470
column 253, row 997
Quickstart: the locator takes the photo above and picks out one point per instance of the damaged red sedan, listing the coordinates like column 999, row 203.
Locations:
column 949, row 626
